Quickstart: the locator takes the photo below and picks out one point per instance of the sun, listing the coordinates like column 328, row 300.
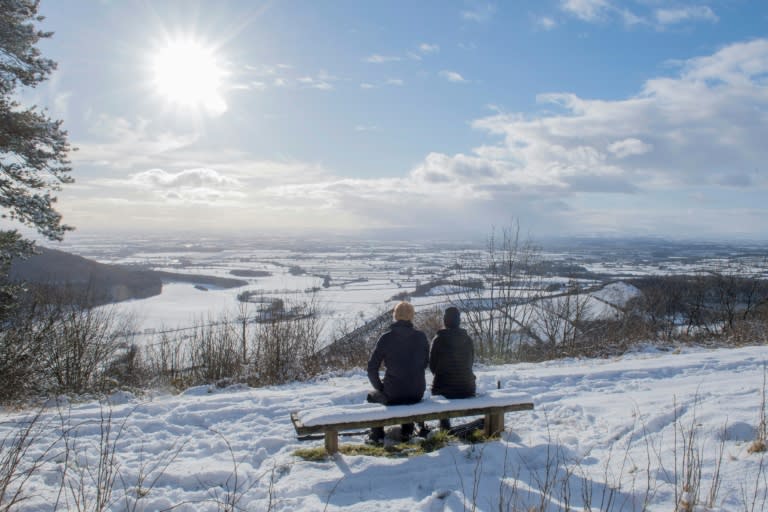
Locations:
column 188, row 74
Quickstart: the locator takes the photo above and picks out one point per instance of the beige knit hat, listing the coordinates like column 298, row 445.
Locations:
column 403, row 311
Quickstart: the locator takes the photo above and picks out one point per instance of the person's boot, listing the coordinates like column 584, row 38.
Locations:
column 376, row 436
column 406, row 431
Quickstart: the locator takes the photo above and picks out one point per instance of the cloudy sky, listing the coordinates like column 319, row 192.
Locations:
column 431, row 118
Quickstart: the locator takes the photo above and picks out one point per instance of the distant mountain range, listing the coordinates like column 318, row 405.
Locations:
column 101, row 283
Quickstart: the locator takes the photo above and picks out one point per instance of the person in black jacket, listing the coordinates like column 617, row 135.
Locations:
column 450, row 361
column 404, row 351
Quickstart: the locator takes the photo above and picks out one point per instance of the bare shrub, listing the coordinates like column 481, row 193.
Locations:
column 664, row 303
column 755, row 498
column 429, row 320
column 759, row 444
column 214, row 351
column 17, row 464
column 91, row 469
column 716, row 481
column 128, row 368
column 285, row 342
column 20, row 351
column 557, row 325
column 57, row 342
column 149, row 473
column 738, row 293
column 353, row 343
column 727, row 304
column 81, row 343
column 688, row 455
column 165, row 361
column 280, row 345
column 498, row 314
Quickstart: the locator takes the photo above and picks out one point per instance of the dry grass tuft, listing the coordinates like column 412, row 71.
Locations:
column 757, row 446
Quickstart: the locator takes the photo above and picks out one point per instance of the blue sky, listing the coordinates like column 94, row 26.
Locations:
column 432, row 119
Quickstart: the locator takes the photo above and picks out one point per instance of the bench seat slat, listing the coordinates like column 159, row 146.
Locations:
column 355, row 416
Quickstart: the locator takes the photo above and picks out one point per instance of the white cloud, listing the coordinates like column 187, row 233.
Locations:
column 381, row 59
column 121, row 143
column 190, row 185
column 683, row 14
column 629, row 147
column 587, row 10
column 631, row 18
column 315, row 83
column 397, row 82
column 452, row 76
column 427, row 48
column 705, row 127
column 190, row 178
column 595, row 11
column 480, row 13
column 286, row 76
column 546, row 23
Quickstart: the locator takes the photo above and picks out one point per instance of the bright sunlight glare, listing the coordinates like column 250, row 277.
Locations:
column 188, row 74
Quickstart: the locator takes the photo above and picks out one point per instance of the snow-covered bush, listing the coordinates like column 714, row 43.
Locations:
column 57, row 343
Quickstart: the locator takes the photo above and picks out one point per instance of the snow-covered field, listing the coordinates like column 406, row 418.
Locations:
column 614, row 430
column 353, row 281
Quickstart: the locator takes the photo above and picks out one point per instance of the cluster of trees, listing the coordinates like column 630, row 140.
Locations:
column 59, row 343
column 726, row 302
column 517, row 316
column 250, row 347
column 55, row 344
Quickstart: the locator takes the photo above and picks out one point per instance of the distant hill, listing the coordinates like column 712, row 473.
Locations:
column 101, row 283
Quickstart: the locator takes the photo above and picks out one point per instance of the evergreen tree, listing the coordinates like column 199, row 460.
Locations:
column 33, row 147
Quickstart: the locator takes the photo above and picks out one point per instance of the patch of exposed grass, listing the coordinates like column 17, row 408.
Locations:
column 315, row 454
column 392, row 451
column 435, row 442
column 478, row 436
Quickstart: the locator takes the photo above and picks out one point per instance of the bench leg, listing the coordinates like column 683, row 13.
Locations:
column 494, row 424
column 331, row 442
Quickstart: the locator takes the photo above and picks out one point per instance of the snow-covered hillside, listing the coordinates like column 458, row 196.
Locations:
column 614, row 430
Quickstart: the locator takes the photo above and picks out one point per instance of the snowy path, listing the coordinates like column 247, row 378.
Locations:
column 608, row 422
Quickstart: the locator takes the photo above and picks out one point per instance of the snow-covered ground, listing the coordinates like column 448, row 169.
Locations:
column 616, row 427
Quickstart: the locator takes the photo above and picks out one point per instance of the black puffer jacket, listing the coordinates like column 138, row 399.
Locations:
column 451, row 362
column 405, row 353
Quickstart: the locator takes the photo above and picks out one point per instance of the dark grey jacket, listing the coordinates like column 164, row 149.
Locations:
column 405, row 353
column 450, row 360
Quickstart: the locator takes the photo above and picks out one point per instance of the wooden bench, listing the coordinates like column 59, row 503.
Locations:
column 338, row 418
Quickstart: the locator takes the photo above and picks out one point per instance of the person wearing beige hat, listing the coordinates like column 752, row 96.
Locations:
column 404, row 351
